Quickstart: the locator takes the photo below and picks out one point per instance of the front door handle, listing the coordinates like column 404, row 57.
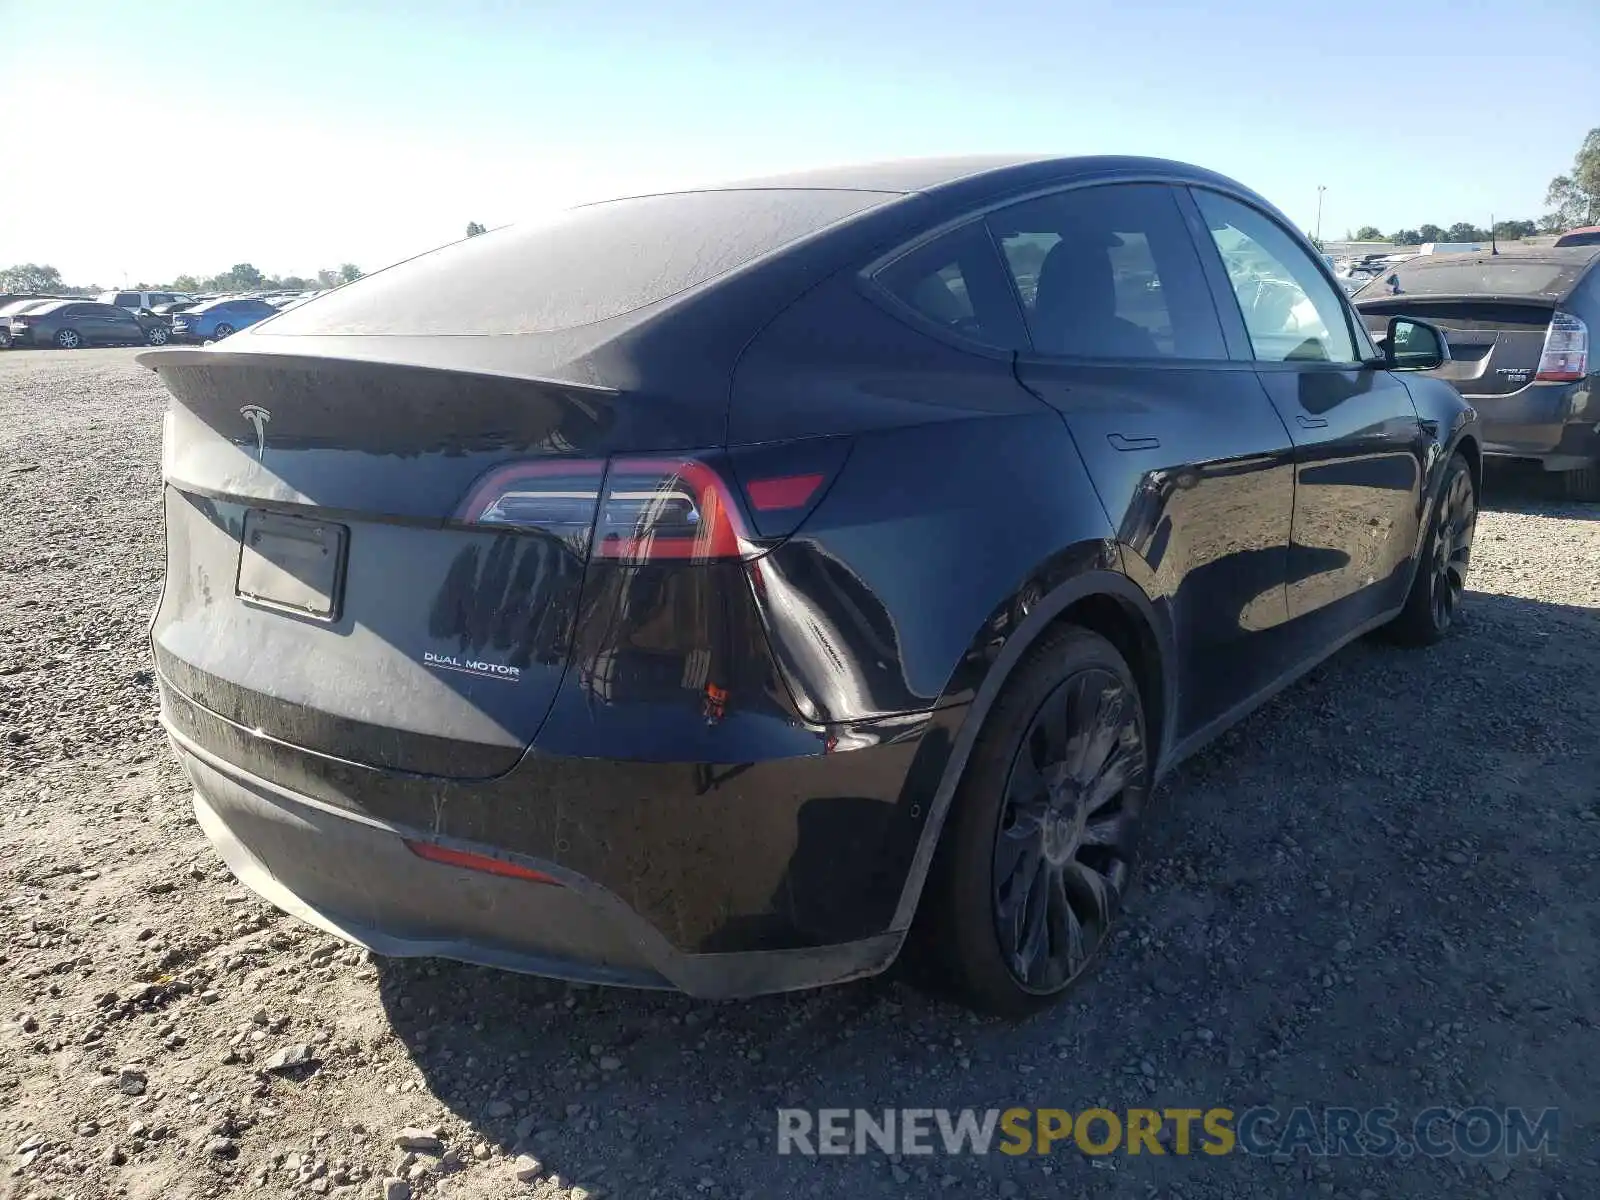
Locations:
column 1306, row 422
column 1121, row 442
column 1429, row 427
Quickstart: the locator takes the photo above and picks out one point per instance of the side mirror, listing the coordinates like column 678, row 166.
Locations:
column 1412, row 345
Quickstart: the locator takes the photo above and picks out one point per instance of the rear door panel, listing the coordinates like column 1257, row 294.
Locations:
column 1196, row 472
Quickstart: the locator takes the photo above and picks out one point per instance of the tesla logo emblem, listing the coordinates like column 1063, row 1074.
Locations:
column 258, row 418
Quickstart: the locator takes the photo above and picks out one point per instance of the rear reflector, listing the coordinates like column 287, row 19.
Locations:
column 477, row 862
column 774, row 495
column 1566, row 350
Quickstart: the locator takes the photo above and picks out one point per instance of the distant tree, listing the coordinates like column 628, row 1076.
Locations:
column 1368, row 233
column 1552, row 223
column 1315, row 241
column 1513, row 230
column 327, row 278
column 474, row 229
column 186, row 283
column 1576, row 196
column 30, row 277
column 294, row 283
column 349, row 272
column 1406, row 237
column 241, row 277
column 1463, row 231
column 1431, row 233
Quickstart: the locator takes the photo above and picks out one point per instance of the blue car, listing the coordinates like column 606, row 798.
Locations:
column 216, row 319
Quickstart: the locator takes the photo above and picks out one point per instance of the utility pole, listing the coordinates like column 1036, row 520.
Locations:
column 1320, row 190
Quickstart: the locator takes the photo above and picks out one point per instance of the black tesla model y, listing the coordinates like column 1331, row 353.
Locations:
column 718, row 590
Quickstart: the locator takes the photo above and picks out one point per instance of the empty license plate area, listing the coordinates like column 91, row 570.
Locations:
column 292, row 563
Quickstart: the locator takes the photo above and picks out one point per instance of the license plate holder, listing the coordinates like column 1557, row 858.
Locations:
column 292, row 564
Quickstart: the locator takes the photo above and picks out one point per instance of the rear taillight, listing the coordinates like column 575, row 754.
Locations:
column 554, row 497
column 669, row 507
column 703, row 507
column 1566, row 350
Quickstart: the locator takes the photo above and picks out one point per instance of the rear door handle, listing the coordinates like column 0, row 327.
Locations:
column 1306, row 422
column 1120, row 442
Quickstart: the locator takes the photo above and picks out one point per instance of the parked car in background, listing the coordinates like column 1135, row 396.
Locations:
column 1588, row 235
column 167, row 311
column 799, row 475
column 1519, row 326
column 216, row 319
column 16, row 307
column 134, row 301
column 69, row 324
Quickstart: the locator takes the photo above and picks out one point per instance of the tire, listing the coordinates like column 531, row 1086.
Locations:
column 68, row 339
column 157, row 335
column 1582, row 484
column 1037, row 854
column 1439, row 586
column 222, row 330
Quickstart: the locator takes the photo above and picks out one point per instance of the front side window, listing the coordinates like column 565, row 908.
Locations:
column 955, row 283
column 124, row 299
column 1109, row 272
column 1292, row 312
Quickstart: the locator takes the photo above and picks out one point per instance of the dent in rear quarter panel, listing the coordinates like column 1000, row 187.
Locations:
column 930, row 538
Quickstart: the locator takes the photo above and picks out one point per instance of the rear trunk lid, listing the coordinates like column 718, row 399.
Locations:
column 320, row 590
column 1495, row 343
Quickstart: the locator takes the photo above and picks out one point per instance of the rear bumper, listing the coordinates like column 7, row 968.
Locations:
column 1558, row 424
column 354, row 877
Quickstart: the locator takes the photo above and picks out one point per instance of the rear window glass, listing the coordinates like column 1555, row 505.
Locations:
column 577, row 267
column 1480, row 275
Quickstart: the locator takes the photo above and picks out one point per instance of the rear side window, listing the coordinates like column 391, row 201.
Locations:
column 126, row 298
column 1109, row 272
column 955, row 282
column 577, row 267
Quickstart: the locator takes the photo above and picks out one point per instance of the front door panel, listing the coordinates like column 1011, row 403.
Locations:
column 1359, row 471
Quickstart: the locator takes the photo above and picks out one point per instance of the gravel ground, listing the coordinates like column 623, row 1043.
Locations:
column 1380, row 890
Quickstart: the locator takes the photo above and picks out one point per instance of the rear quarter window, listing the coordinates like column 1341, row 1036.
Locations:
column 577, row 267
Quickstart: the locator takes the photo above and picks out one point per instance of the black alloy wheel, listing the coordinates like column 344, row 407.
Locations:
column 1063, row 850
column 1452, row 547
column 1434, row 603
column 1040, row 846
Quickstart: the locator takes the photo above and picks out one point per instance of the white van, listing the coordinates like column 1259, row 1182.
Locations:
column 134, row 301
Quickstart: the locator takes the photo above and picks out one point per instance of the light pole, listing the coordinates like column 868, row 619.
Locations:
column 1320, row 190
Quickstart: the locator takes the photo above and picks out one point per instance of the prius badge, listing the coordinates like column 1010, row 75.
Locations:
column 258, row 417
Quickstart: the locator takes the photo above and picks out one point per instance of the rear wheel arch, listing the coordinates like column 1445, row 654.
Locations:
column 1107, row 603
